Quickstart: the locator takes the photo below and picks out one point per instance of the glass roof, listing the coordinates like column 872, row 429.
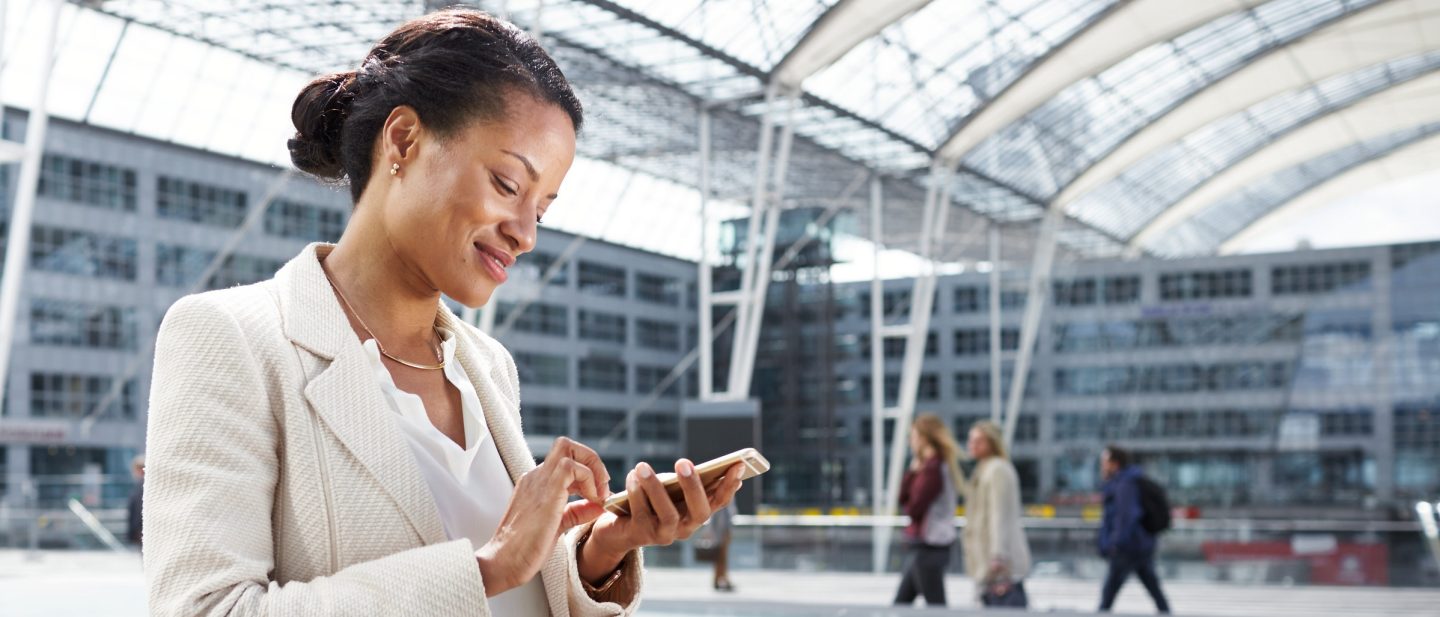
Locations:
column 1230, row 215
column 644, row 69
column 1168, row 175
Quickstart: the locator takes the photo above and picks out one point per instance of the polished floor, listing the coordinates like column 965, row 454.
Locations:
column 64, row 584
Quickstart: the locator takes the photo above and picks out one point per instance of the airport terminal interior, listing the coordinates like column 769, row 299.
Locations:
column 1207, row 233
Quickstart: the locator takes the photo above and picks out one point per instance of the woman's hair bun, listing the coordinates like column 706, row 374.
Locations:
column 319, row 115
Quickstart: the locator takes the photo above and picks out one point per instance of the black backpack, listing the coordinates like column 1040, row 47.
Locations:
column 1154, row 505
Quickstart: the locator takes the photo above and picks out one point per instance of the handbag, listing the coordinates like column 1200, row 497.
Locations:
column 706, row 543
column 1005, row 595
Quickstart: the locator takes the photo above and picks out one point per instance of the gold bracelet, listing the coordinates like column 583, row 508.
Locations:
column 609, row 580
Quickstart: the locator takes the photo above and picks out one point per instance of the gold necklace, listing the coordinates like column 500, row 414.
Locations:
column 439, row 354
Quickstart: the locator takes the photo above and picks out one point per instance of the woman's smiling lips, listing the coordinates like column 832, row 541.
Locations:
column 495, row 261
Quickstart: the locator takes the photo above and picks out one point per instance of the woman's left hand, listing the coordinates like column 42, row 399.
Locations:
column 653, row 520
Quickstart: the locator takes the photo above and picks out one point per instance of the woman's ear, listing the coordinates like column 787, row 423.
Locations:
column 399, row 136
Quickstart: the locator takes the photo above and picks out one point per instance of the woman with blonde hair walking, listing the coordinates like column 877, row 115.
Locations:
column 929, row 493
column 997, row 555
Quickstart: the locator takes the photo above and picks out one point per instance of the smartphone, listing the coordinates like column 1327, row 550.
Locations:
column 710, row 472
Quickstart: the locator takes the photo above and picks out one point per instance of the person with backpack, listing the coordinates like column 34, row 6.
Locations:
column 1136, row 512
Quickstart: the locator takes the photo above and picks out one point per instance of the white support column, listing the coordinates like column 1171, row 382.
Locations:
column 922, row 297
column 1034, row 306
column 707, row 309
column 18, row 249
column 879, row 538
column 752, row 235
column 749, row 299
column 995, row 383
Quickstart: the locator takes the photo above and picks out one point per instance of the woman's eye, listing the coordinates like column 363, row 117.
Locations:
column 506, row 188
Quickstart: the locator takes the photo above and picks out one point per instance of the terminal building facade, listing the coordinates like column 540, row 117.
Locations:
column 1296, row 379
column 1302, row 379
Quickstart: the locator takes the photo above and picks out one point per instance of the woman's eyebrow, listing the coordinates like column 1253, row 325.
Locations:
column 530, row 169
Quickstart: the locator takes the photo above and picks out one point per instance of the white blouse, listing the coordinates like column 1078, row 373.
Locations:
column 470, row 485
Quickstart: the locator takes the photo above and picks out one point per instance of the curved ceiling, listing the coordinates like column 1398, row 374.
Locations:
column 1035, row 103
column 1407, row 154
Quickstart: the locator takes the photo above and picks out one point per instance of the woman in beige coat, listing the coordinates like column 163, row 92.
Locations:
column 334, row 441
column 997, row 556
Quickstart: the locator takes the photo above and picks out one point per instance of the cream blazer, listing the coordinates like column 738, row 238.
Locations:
column 992, row 522
column 277, row 483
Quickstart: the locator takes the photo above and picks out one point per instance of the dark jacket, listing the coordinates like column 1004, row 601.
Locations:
column 1120, row 529
column 132, row 527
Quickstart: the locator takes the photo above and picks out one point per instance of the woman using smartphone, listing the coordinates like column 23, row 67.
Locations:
column 334, row 441
column 929, row 493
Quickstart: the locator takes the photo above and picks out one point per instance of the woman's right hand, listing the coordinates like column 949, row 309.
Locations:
column 538, row 513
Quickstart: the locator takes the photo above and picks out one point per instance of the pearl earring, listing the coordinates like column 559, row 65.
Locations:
column 394, row 168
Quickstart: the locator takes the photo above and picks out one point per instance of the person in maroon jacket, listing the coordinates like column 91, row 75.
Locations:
column 929, row 494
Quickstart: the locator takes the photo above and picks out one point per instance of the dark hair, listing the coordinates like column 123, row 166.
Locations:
column 452, row 66
column 1118, row 455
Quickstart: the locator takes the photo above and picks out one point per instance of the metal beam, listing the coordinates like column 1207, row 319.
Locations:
column 880, row 541
column 17, row 251
column 1396, row 106
column 1035, row 299
column 994, row 299
column 1121, row 32
column 706, row 282
column 915, row 331
column 1406, row 159
column 1369, row 35
column 837, row 31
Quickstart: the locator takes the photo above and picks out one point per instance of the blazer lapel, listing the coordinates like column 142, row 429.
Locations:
column 344, row 394
column 502, row 414
column 350, row 403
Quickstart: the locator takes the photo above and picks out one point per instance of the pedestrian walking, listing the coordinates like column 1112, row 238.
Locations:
column 997, row 555
column 929, row 493
column 1135, row 512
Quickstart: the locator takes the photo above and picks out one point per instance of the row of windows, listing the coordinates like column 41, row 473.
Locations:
column 1090, row 291
column 84, row 254
column 600, row 423
column 968, row 385
column 311, row 223
column 977, row 341
column 1088, row 336
column 554, row 320
column 58, row 395
column 1228, row 478
column 894, row 348
column 1027, row 428
column 1196, row 285
column 536, row 265
column 975, row 385
column 79, row 324
column 181, row 266
column 191, row 201
column 1417, row 427
column 109, row 186
column 977, row 299
column 1166, row 424
column 603, row 279
column 1318, row 278
column 1172, row 378
column 1205, row 285
column 86, row 182
column 598, row 373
